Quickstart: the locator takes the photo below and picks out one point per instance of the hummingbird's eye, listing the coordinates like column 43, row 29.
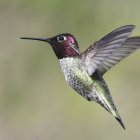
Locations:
column 61, row 38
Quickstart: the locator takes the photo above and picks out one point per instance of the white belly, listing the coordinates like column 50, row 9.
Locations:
column 76, row 76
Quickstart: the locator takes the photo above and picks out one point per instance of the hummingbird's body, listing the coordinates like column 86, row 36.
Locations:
column 91, row 88
column 84, row 71
column 76, row 76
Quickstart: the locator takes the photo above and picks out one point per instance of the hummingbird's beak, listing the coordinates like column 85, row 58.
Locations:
column 39, row 39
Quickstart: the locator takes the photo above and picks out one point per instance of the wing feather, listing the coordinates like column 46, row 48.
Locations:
column 111, row 49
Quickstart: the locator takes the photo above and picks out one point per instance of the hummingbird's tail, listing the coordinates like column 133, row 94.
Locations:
column 107, row 104
column 101, row 95
column 120, row 122
column 113, row 111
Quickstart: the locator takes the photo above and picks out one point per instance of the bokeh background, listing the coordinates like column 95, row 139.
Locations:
column 35, row 101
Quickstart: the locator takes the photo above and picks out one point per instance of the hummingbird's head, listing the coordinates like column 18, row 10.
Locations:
column 64, row 45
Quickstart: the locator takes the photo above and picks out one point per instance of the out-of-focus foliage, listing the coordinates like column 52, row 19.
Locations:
column 35, row 101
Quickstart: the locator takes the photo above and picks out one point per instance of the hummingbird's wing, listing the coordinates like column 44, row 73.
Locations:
column 111, row 49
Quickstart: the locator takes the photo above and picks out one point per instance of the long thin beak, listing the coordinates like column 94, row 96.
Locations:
column 39, row 39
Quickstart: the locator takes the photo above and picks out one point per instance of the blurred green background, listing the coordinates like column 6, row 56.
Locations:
column 35, row 101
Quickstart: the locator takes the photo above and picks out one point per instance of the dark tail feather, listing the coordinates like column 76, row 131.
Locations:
column 120, row 122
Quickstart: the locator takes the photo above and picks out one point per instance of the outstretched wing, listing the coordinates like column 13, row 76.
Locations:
column 111, row 49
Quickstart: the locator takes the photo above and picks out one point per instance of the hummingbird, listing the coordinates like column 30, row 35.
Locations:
column 84, row 71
